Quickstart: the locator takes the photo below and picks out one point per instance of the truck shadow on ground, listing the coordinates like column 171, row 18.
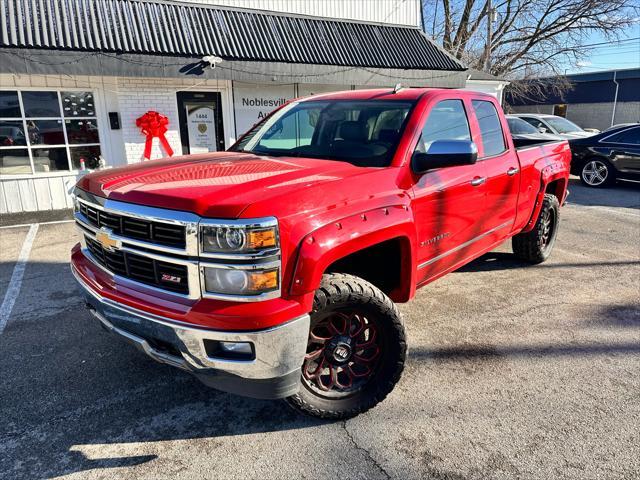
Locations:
column 615, row 316
column 493, row 261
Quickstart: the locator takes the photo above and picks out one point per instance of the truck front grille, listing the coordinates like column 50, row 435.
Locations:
column 146, row 230
column 167, row 276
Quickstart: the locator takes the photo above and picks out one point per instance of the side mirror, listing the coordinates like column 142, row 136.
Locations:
column 445, row 153
column 542, row 130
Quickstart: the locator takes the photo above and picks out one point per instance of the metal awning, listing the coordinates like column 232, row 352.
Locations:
column 189, row 30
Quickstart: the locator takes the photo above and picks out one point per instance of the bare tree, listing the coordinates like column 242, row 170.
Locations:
column 530, row 38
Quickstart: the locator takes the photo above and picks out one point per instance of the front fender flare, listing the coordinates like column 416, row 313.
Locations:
column 331, row 242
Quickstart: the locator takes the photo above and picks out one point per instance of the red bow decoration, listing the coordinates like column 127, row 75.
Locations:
column 154, row 124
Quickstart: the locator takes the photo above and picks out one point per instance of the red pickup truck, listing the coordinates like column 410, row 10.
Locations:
column 271, row 270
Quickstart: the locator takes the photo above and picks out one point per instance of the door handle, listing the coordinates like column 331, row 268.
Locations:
column 512, row 171
column 478, row 181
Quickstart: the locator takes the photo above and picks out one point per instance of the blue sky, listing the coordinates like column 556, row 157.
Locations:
column 609, row 56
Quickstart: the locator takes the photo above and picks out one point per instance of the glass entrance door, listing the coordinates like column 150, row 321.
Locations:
column 201, row 128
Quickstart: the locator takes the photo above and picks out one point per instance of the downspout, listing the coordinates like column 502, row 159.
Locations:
column 615, row 98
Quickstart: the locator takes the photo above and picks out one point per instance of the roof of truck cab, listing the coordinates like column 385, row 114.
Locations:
column 409, row 94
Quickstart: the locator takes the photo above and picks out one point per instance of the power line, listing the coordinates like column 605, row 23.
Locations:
column 614, row 43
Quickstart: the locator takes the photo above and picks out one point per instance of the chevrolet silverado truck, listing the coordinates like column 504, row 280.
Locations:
column 273, row 269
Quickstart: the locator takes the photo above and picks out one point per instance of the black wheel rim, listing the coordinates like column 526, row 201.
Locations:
column 547, row 226
column 343, row 354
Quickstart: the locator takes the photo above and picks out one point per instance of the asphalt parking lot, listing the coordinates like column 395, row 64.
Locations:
column 514, row 372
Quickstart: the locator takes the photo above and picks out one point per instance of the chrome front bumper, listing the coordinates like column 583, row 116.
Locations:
column 272, row 372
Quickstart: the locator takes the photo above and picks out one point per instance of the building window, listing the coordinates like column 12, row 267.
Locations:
column 47, row 131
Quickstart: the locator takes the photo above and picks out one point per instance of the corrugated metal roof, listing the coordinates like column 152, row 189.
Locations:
column 135, row 26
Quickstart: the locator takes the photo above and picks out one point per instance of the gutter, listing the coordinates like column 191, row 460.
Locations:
column 615, row 98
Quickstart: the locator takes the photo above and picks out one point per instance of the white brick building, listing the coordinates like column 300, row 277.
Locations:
column 152, row 61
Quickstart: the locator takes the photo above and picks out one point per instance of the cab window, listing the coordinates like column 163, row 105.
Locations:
column 490, row 127
column 447, row 121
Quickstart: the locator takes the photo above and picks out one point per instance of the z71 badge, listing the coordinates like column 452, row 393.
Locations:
column 170, row 278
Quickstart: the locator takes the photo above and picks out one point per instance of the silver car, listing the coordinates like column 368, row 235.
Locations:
column 555, row 125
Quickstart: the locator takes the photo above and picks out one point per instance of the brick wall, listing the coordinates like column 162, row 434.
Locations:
column 135, row 98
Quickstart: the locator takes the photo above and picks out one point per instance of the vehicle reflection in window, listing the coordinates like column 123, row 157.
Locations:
column 12, row 133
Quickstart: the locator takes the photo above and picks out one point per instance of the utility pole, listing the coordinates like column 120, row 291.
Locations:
column 487, row 49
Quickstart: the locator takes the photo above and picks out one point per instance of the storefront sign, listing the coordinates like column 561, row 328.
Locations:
column 254, row 102
column 201, row 127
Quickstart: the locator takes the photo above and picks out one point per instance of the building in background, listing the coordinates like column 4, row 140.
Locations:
column 594, row 100
column 76, row 76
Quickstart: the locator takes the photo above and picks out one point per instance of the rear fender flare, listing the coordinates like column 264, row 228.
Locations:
column 549, row 174
column 331, row 242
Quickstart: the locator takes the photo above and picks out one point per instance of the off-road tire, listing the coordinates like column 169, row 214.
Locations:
column 338, row 292
column 531, row 246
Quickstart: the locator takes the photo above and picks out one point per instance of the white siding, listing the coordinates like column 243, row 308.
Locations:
column 491, row 87
column 3, row 202
column 27, row 195
column 43, row 193
column 12, row 197
column 400, row 12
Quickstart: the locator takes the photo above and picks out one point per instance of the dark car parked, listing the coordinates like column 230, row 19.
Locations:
column 613, row 154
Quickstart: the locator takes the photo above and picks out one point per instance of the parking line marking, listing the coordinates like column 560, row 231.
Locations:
column 16, row 277
column 41, row 223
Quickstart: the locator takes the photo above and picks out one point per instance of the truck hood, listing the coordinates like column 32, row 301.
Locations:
column 219, row 184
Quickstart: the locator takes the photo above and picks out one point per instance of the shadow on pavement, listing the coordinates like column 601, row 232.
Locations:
column 624, row 194
column 625, row 316
column 493, row 261
column 530, row 351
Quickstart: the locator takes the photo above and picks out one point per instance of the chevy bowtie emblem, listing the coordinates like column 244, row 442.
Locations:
column 104, row 237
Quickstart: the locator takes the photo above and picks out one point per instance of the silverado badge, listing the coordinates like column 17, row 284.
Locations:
column 104, row 238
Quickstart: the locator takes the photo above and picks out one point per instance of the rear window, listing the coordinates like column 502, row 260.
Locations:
column 520, row 127
column 490, row 127
column 631, row 136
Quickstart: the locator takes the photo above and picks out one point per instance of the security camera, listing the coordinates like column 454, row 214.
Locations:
column 212, row 60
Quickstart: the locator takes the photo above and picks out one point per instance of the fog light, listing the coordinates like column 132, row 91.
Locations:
column 243, row 351
column 241, row 348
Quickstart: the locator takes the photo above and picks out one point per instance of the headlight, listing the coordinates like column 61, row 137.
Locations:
column 232, row 281
column 239, row 238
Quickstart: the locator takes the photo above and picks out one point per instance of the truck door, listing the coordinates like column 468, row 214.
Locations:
column 502, row 170
column 448, row 201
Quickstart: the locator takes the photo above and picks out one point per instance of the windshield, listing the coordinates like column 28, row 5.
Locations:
column 363, row 132
column 520, row 127
column 562, row 125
